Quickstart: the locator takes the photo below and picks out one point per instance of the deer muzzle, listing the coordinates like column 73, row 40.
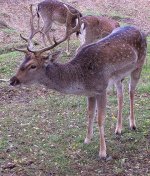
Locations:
column 14, row 81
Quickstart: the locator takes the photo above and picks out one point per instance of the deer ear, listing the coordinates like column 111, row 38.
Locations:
column 54, row 56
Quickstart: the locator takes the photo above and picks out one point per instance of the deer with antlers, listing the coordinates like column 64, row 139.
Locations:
column 90, row 72
column 52, row 12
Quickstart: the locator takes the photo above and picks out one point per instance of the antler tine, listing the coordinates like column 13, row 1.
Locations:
column 25, row 39
column 33, row 30
column 30, row 45
column 38, row 52
column 21, row 50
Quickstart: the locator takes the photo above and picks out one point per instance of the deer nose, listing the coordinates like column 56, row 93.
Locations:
column 14, row 81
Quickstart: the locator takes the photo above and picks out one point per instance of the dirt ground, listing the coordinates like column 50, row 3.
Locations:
column 15, row 13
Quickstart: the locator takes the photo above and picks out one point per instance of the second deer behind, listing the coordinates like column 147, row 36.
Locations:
column 94, row 28
column 56, row 12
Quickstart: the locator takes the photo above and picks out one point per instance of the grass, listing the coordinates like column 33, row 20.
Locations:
column 90, row 12
column 8, row 62
column 42, row 132
column 9, row 31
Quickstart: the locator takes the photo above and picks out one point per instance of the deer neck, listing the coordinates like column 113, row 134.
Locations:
column 65, row 78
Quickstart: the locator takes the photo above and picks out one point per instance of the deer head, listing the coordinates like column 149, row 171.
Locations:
column 32, row 68
column 34, row 60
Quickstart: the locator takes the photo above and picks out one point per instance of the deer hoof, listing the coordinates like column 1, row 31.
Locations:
column 102, row 155
column 133, row 127
column 68, row 53
column 118, row 131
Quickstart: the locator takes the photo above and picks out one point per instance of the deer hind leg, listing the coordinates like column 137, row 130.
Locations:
column 91, row 114
column 101, row 108
column 120, row 106
column 68, row 48
column 45, row 33
column 135, row 75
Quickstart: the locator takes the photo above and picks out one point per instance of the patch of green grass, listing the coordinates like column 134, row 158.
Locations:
column 144, row 87
column 148, row 44
column 90, row 12
column 9, row 31
column 11, row 55
column 3, row 143
column 8, row 63
column 117, row 14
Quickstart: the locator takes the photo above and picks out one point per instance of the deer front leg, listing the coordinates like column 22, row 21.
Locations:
column 135, row 75
column 131, row 118
column 48, row 38
column 45, row 32
column 101, row 108
column 120, row 106
column 44, row 36
column 91, row 113
column 68, row 48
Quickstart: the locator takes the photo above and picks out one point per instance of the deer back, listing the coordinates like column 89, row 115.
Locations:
column 113, row 57
column 96, row 27
column 55, row 11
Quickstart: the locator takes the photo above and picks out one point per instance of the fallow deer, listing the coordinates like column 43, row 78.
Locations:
column 90, row 72
column 94, row 28
column 53, row 11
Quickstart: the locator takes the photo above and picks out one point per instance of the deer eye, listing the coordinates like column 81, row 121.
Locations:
column 33, row 67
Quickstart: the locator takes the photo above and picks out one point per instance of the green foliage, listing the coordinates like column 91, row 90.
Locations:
column 90, row 12
column 8, row 63
column 9, row 31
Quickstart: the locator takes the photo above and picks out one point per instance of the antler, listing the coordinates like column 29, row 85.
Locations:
column 69, row 31
column 22, row 50
column 33, row 30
